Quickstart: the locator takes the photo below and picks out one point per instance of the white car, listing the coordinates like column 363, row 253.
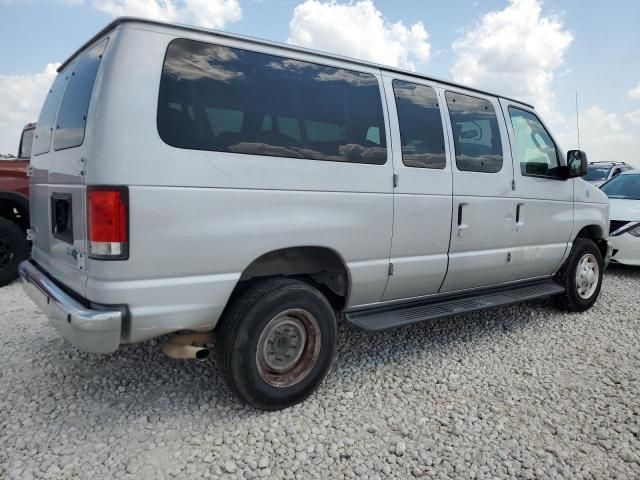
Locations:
column 624, row 197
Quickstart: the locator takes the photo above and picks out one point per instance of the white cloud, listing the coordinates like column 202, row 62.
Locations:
column 358, row 30
column 515, row 52
column 635, row 92
column 21, row 97
column 204, row 13
column 634, row 117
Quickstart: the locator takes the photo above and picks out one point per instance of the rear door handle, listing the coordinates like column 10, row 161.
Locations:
column 461, row 226
column 518, row 214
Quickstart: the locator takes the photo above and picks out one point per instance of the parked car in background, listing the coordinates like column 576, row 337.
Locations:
column 14, row 208
column 199, row 180
column 600, row 172
column 624, row 200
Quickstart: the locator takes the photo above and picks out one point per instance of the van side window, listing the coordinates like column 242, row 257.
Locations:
column 72, row 115
column 534, row 147
column 421, row 133
column 44, row 127
column 232, row 100
column 476, row 135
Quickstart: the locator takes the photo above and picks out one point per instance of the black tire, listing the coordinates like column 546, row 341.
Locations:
column 571, row 300
column 14, row 248
column 251, row 317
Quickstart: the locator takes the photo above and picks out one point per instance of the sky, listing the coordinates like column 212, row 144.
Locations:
column 541, row 52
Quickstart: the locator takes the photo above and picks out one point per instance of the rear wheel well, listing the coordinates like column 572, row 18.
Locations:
column 15, row 212
column 595, row 233
column 318, row 266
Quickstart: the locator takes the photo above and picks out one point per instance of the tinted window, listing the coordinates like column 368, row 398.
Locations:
column 42, row 138
column 595, row 173
column 231, row 100
column 625, row 186
column 25, row 143
column 534, row 147
column 72, row 116
column 476, row 135
column 421, row 132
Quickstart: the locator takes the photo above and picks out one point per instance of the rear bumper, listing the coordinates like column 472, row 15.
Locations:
column 95, row 330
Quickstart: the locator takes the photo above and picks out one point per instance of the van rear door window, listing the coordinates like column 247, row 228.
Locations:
column 238, row 101
column 44, row 127
column 72, row 115
column 476, row 135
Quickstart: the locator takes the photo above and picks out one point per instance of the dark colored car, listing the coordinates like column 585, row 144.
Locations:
column 14, row 208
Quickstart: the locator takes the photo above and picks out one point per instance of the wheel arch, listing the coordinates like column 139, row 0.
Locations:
column 597, row 234
column 322, row 267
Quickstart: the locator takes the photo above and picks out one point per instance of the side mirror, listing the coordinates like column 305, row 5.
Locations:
column 577, row 163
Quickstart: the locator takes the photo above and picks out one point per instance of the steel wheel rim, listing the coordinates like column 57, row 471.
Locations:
column 6, row 254
column 587, row 276
column 288, row 348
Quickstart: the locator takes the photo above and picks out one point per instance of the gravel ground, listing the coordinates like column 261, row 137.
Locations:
column 515, row 392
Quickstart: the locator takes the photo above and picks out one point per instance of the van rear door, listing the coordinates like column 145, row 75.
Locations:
column 59, row 153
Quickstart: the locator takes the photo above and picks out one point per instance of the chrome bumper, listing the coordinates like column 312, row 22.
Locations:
column 93, row 330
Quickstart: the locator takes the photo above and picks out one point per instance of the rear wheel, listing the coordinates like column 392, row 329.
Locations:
column 14, row 248
column 276, row 343
column 581, row 275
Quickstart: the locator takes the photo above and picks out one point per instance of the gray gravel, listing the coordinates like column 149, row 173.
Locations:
column 516, row 392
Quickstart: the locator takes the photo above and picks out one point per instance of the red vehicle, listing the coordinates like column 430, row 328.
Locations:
column 14, row 208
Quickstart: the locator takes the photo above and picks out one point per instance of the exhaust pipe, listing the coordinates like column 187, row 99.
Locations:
column 189, row 346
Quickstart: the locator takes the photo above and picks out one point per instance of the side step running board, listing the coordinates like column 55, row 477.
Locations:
column 385, row 318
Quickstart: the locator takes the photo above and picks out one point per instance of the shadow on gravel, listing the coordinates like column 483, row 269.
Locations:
column 139, row 380
column 625, row 271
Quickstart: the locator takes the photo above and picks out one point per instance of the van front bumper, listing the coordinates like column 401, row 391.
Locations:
column 94, row 330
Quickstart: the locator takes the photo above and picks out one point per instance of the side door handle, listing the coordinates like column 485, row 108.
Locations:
column 461, row 226
column 519, row 221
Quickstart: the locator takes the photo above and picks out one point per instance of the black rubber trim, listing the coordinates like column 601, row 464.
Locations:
column 386, row 318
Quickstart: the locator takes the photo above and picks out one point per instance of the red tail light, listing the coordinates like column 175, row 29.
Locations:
column 108, row 222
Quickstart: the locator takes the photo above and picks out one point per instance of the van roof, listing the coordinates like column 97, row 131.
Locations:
column 188, row 28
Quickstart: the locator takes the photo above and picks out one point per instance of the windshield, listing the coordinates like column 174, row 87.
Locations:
column 25, row 143
column 626, row 187
column 597, row 173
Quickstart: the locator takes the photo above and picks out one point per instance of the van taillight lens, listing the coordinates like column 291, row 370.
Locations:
column 108, row 222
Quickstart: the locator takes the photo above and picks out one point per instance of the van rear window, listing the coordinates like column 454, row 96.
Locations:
column 44, row 127
column 232, row 100
column 72, row 115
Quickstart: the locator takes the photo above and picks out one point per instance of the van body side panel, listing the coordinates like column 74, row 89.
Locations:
column 189, row 248
column 482, row 234
column 422, row 199
column 546, row 214
column 199, row 218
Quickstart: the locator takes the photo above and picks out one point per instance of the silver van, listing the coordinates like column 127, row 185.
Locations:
column 186, row 180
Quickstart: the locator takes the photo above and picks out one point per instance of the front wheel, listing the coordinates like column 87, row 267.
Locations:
column 276, row 343
column 581, row 275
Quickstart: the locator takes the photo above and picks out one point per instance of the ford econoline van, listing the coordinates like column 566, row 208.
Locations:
column 187, row 180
